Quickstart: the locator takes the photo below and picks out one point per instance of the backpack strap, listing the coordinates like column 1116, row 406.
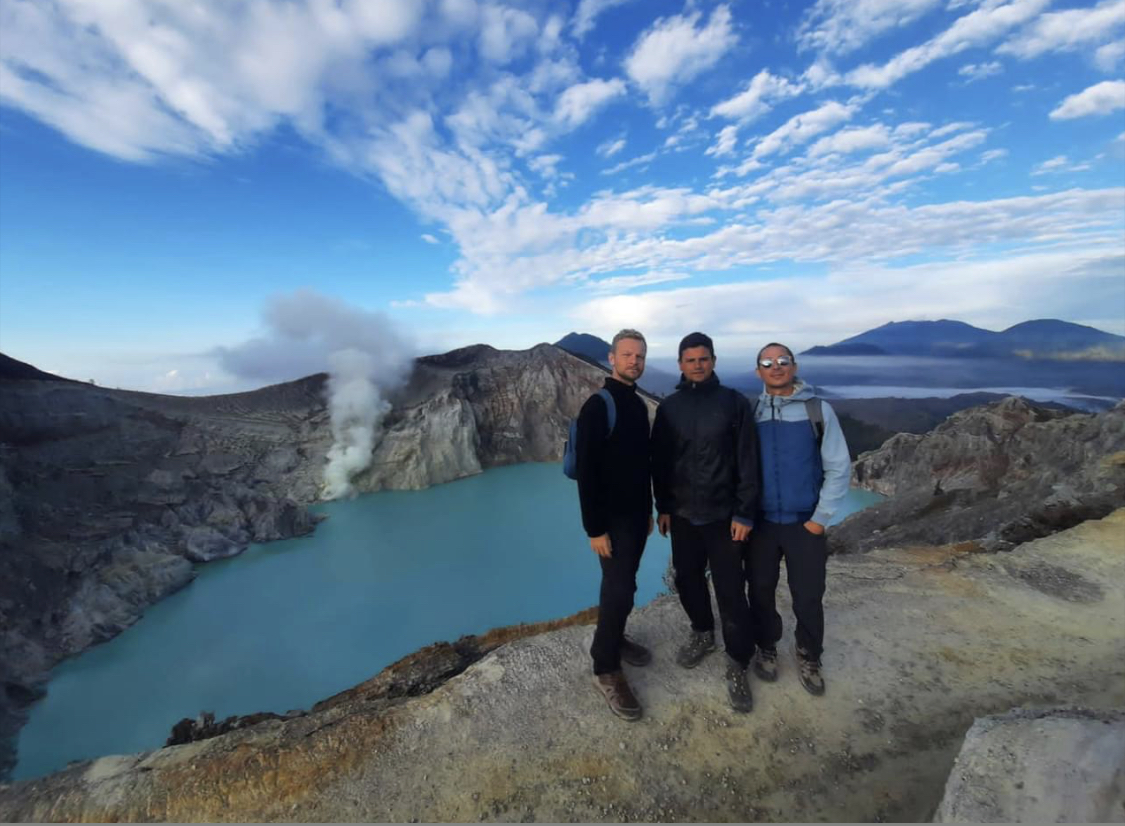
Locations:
column 610, row 410
column 816, row 418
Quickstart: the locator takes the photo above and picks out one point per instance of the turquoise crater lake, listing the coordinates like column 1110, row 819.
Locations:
column 289, row 623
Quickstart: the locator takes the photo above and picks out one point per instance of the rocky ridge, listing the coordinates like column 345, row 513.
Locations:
column 107, row 496
column 991, row 476
column 920, row 642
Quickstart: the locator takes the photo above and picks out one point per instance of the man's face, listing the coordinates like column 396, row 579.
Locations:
column 627, row 360
column 697, row 364
column 777, row 376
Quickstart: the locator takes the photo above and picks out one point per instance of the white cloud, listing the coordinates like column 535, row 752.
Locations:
column 611, row 147
column 674, row 51
column 576, row 105
column 1059, row 163
column 632, row 282
column 629, row 164
column 725, row 142
column 505, row 33
column 758, row 97
column 742, row 315
column 429, row 239
column 1099, row 99
column 1067, row 30
column 993, row 155
column 842, row 26
column 545, row 165
column 979, row 71
column 857, row 139
column 802, row 128
column 588, row 12
column 977, row 28
column 1108, row 56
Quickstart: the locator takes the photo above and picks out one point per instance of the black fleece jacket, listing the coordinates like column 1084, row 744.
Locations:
column 613, row 473
column 705, row 454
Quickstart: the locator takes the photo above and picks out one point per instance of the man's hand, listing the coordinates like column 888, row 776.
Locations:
column 602, row 545
column 739, row 532
column 664, row 521
column 814, row 527
column 650, row 524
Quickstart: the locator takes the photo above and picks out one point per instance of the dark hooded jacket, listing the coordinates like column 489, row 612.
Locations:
column 705, row 454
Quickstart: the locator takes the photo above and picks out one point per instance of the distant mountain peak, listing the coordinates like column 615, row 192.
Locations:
column 1043, row 338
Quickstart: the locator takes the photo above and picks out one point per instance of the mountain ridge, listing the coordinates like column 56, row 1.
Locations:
column 1051, row 339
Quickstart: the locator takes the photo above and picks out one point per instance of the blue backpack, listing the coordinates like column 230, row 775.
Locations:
column 570, row 451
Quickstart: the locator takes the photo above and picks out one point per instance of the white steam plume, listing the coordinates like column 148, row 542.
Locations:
column 364, row 354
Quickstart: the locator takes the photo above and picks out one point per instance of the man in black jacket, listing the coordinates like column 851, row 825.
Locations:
column 614, row 490
column 705, row 475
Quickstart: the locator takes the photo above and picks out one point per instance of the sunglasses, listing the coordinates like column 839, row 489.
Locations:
column 780, row 361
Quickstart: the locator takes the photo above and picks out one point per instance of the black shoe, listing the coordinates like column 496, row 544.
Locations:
column 622, row 701
column 634, row 653
column 698, row 646
column 738, row 687
column 765, row 664
column 808, row 670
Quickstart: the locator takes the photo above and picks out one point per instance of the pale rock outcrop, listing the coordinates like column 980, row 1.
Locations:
column 995, row 476
column 1054, row 765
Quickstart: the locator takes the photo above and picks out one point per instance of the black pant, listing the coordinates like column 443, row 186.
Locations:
column 627, row 535
column 806, row 557
column 694, row 547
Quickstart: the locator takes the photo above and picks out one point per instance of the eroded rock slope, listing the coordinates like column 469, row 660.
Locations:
column 107, row 497
column 993, row 476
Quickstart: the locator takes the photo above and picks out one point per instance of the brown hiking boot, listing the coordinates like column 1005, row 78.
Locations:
column 765, row 664
column 698, row 646
column 634, row 653
column 808, row 670
column 615, row 688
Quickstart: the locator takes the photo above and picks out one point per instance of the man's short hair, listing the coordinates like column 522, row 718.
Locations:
column 696, row 340
column 774, row 344
column 633, row 334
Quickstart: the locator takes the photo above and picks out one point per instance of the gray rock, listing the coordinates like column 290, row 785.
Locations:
column 203, row 543
column 995, row 476
column 1054, row 765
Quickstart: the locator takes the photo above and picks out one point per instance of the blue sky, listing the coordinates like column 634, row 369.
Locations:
column 173, row 173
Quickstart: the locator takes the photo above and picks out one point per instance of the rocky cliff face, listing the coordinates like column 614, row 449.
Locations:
column 995, row 476
column 919, row 643
column 108, row 496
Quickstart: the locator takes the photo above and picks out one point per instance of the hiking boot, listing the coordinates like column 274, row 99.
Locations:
column 622, row 701
column 698, row 646
column 634, row 653
column 738, row 687
column 765, row 664
column 808, row 670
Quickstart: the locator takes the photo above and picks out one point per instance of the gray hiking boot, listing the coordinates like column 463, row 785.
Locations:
column 765, row 664
column 622, row 701
column 808, row 670
column 698, row 646
column 738, row 687
column 634, row 653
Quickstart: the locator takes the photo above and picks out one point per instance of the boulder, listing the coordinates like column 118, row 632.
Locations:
column 1053, row 765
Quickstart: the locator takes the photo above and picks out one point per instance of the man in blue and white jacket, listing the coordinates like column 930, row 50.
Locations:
column 806, row 469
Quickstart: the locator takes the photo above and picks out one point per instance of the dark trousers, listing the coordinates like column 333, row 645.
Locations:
column 694, row 547
column 806, row 557
column 627, row 535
